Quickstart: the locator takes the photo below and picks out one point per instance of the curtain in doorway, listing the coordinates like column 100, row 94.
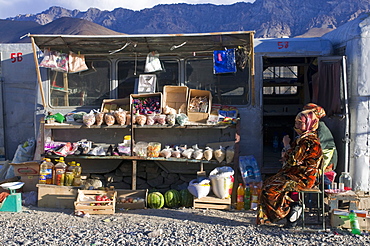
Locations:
column 326, row 87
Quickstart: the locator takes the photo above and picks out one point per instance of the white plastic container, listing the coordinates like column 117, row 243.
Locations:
column 200, row 189
column 222, row 180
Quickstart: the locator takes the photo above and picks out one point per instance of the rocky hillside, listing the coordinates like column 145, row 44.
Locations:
column 269, row 18
column 11, row 31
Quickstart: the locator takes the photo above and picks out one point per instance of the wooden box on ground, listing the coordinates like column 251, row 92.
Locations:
column 212, row 202
column 339, row 218
column 364, row 200
column 199, row 117
column 87, row 203
column 131, row 199
column 54, row 196
column 176, row 97
column 114, row 104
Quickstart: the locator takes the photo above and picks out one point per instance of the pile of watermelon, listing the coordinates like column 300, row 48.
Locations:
column 171, row 199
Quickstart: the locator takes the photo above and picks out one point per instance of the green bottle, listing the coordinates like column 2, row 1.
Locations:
column 355, row 227
column 247, row 197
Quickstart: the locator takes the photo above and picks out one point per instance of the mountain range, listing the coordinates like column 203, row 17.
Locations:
column 268, row 18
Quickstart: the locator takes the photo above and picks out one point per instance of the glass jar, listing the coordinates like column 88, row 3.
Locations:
column 346, row 180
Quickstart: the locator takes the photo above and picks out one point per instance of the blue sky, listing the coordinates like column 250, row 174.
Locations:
column 11, row 8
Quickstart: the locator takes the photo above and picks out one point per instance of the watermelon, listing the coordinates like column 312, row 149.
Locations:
column 186, row 198
column 172, row 198
column 155, row 200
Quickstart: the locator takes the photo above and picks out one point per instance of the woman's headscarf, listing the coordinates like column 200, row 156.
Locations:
column 310, row 119
column 318, row 110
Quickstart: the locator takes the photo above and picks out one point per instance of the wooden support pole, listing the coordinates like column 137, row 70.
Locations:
column 38, row 72
column 134, row 171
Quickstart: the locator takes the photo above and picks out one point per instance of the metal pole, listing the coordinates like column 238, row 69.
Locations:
column 346, row 115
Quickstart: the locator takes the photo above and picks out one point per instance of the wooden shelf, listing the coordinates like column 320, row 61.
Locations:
column 138, row 158
column 78, row 126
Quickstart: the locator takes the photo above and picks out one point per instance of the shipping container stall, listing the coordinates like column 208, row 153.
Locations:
column 19, row 98
column 183, row 64
column 291, row 72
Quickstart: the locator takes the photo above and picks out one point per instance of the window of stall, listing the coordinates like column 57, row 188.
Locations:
column 86, row 88
column 129, row 71
column 227, row 88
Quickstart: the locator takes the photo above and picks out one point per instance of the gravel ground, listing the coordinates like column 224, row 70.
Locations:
column 40, row 226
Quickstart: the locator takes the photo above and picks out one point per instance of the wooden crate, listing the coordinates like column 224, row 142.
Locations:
column 212, row 203
column 141, row 194
column 86, row 202
column 54, row 196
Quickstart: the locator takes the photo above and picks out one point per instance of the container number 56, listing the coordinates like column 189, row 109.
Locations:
column 16, row 57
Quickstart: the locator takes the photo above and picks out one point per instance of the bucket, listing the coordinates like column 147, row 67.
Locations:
column 222, row 180
column 199, row 189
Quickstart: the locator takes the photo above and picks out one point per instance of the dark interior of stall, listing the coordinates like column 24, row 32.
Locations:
column 286, row 89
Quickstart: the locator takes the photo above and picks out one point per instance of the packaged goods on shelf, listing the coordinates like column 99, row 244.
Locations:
column 150, row 103
column 199, row 105
column 109, row 105
column 176, row 97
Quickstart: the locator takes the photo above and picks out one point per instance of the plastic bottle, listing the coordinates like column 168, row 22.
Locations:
column 43, row 172
column 77, row 175
column 355, row 226
column 49, row 171
column 275, row 143
column 346, row 180
column 254, row 199
column 247, row 197
column 240, row 197
column 60, row 171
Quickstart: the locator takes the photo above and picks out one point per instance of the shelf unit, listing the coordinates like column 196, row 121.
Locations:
column 97, row 130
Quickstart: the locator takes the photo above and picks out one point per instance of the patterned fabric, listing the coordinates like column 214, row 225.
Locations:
column 306, row 121
column 299, row 171
column 319, row 111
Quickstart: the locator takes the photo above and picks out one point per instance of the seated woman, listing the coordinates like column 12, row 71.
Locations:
column 300, row 169
column 330, row 154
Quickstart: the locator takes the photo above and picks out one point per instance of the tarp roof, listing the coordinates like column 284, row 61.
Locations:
column 170, row 44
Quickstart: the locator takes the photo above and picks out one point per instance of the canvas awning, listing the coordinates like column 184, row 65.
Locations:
column 141, row 45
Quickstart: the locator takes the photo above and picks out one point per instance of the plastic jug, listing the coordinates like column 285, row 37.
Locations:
column 60, row 171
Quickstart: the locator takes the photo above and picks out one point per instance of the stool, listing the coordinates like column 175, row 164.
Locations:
column 320, row 206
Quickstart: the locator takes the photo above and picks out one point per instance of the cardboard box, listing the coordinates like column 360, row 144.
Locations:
column 124, row 194
column 176, row 97
column 114, row 104
column 54, row 196
column 144, row 96
column 28, row 168
column 339, row 218
column 199, row 117
column 30, row 182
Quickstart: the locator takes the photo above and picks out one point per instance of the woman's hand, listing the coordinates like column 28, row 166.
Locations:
column 286, row 141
